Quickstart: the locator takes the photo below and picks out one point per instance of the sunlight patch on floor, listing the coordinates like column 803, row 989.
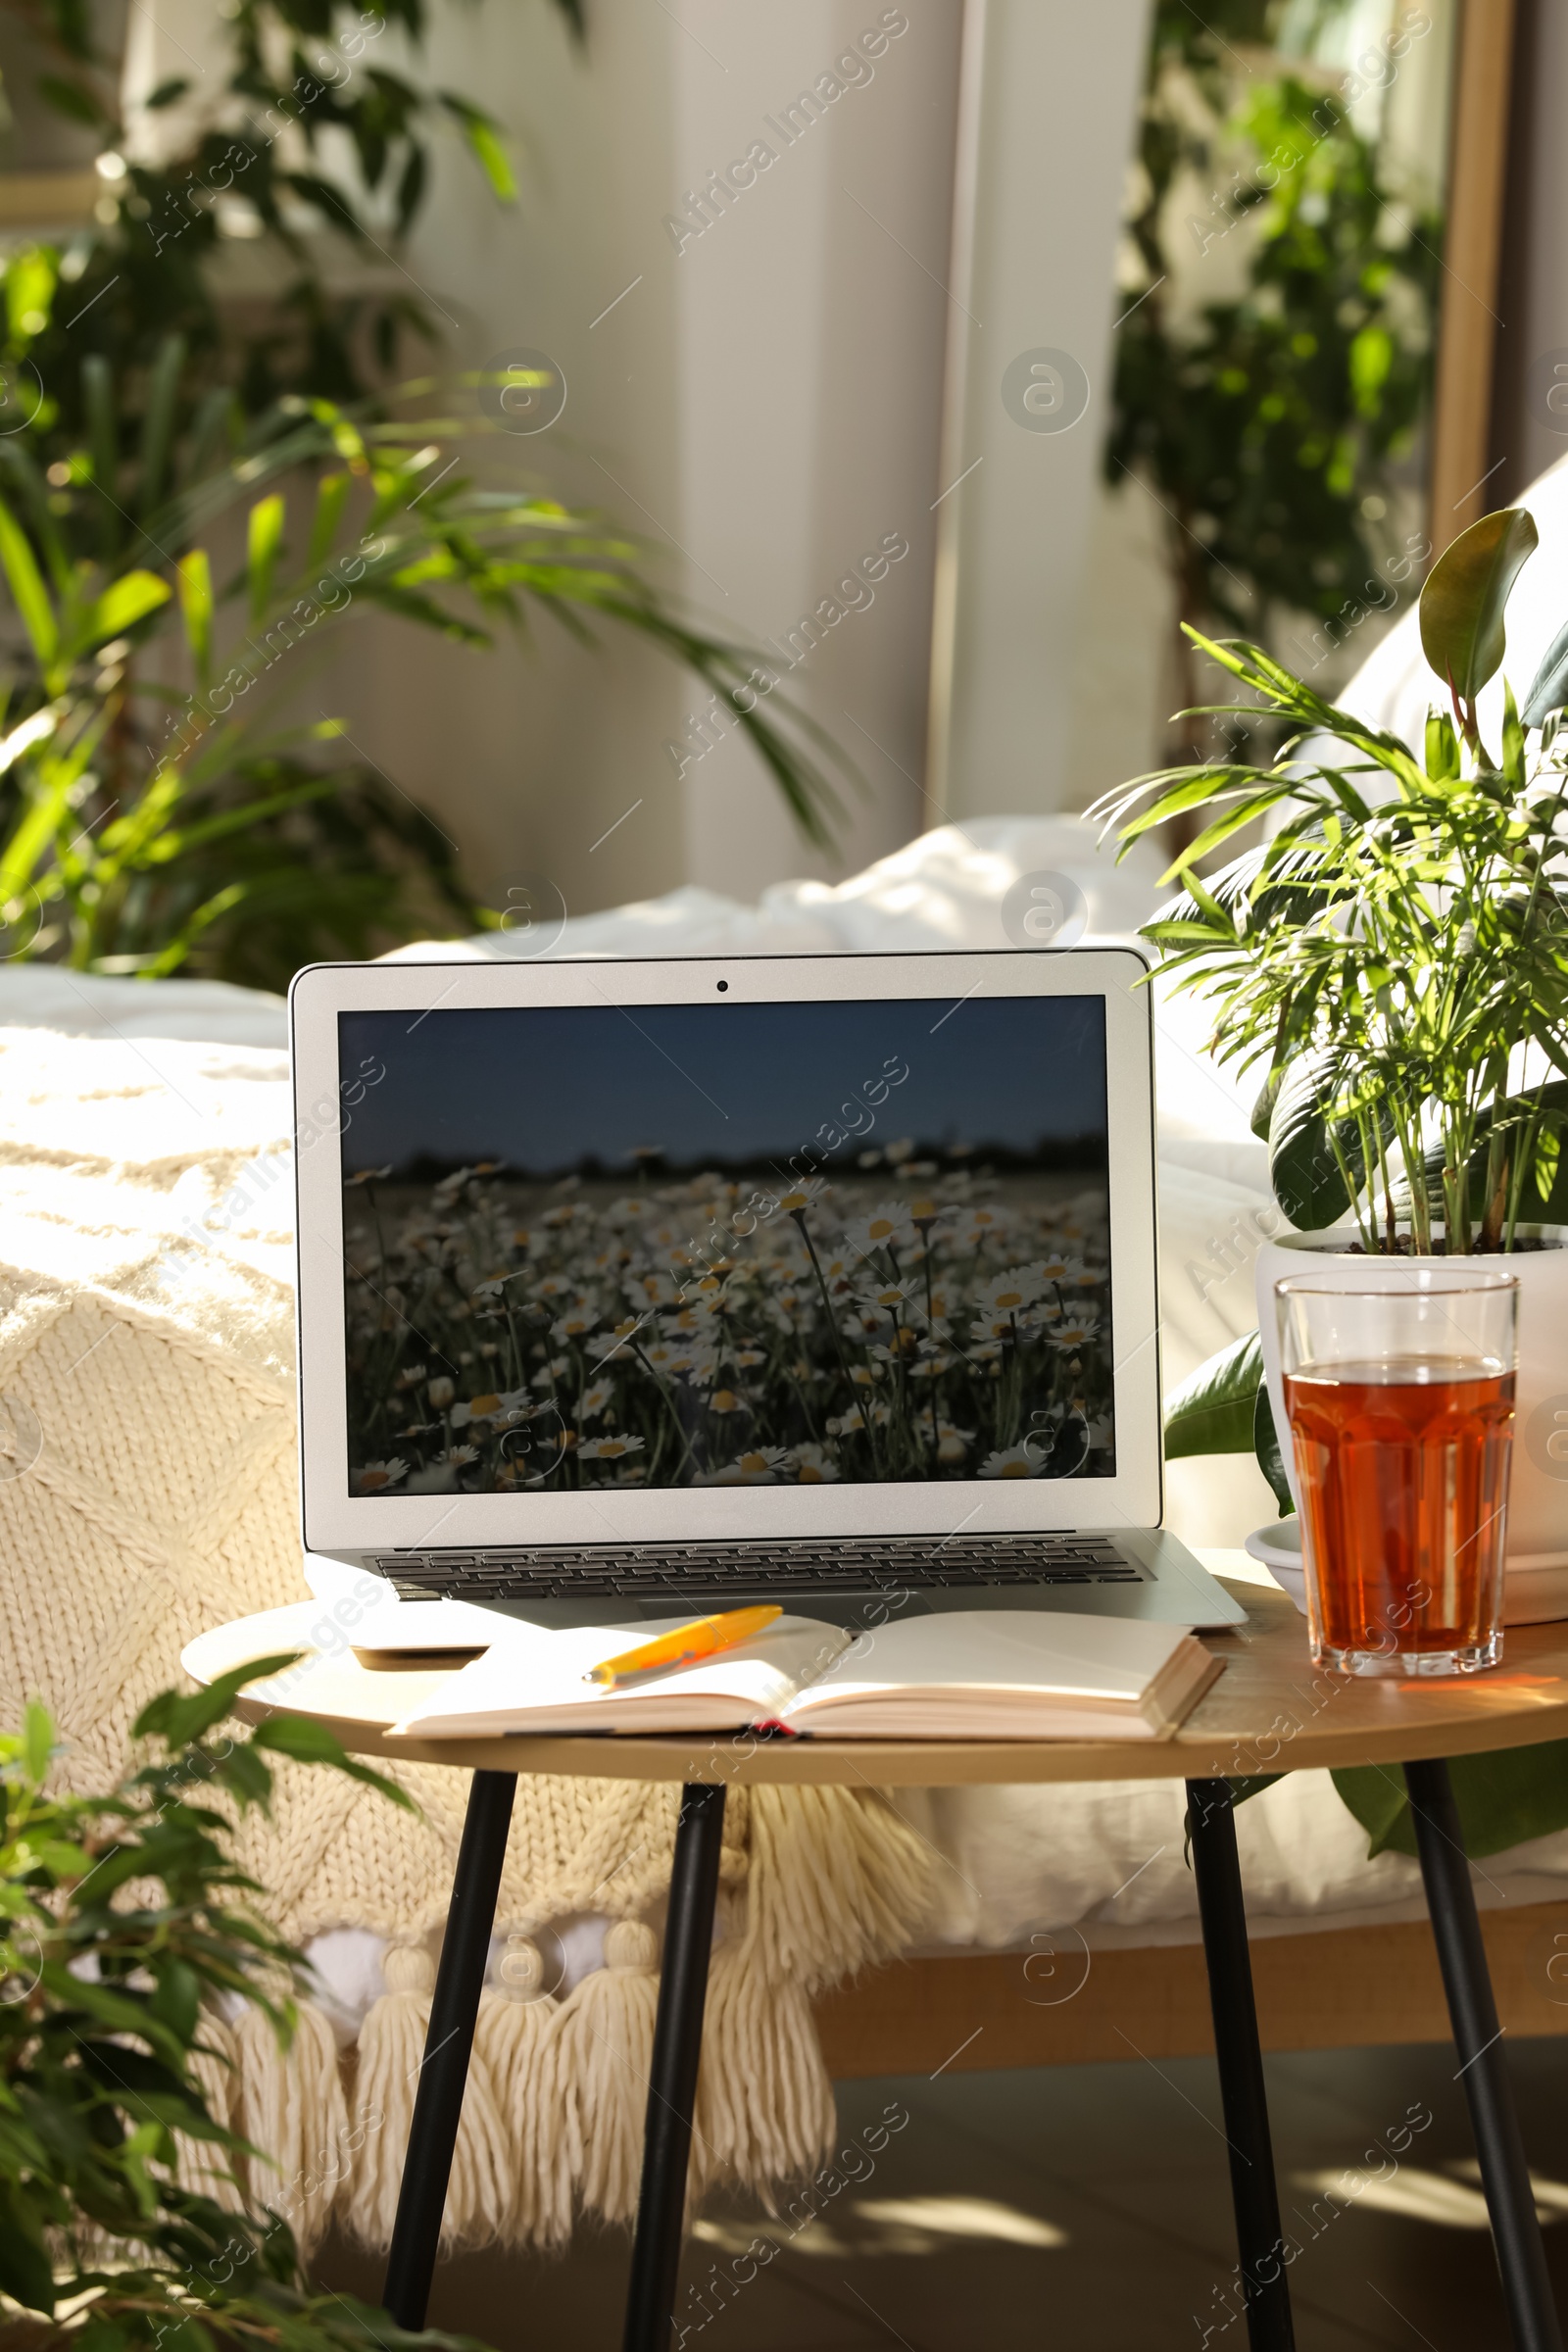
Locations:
column 1449, row 2200
column 881, row 2225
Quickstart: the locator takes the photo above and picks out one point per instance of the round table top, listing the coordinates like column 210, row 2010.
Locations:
column 1270, row 1711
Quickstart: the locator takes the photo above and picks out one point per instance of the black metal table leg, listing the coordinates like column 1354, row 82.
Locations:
column 444, row 2071
column 672, row 2083
column 1244, row 2099
column 1477, row 2038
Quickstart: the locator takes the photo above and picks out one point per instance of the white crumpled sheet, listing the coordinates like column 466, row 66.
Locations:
column 1105, row 1862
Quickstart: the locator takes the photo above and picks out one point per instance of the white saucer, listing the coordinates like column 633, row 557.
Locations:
column 1534, row 1590
column 1279, row 1547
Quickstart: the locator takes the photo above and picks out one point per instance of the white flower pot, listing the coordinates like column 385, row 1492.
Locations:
column 1536, row 1561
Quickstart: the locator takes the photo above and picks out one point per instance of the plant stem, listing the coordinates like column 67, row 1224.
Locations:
column 799, row 1217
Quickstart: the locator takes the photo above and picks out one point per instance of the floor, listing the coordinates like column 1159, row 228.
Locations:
column 1085, row 2207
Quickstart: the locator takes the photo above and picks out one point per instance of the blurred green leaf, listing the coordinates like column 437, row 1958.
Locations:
column 1503, row 1798
column 196, row 608
column 25, row 583
column 131, row 598
column 263, row 541
column 38, row 1740
column 483, row 134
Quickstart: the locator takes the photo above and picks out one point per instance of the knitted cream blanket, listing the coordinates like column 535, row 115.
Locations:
column 147, row 1490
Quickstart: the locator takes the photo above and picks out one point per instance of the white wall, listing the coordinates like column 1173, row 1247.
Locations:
column 1059, row 85
column 763, row 405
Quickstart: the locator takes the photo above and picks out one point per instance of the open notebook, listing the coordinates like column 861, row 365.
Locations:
column 976, row 1675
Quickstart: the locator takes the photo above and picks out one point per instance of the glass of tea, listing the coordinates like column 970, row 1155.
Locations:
column 1400, row 1398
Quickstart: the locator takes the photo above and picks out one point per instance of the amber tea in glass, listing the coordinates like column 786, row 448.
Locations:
column 1399, row 1396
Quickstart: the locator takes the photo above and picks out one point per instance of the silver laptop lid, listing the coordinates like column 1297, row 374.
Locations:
column 715, row 1249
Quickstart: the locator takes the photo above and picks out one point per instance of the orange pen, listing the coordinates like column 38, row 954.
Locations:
column 701, row 1638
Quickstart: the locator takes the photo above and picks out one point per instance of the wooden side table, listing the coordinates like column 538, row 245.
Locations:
column 1270, row 1711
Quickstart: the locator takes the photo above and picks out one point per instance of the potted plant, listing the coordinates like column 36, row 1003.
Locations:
column 1394, row 963
column 128, row 2223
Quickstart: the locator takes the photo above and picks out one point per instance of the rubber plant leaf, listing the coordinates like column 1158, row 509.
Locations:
column 1548, row 688
column 1302, row 1167
column 1467, row 594
column 1266, row 1447
column 1263, row 1107
column 1503, row 1798
column 1215, row 1409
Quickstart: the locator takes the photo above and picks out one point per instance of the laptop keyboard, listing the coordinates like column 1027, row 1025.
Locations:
column 573, row 1572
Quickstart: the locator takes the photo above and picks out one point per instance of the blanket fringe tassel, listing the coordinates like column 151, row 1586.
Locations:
column 764, row 2104
column 517, row 2040
column 481, row 2188
column 215, row 2068
column 290, row 2102
column 602, row 2051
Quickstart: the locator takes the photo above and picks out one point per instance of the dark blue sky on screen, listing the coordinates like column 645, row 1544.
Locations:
column 546, row 1089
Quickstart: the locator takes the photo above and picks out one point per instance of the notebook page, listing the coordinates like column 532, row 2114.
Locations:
column 532, row 1673
column 1052, row 1654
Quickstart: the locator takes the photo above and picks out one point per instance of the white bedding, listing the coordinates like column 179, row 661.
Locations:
column 1103, row 1865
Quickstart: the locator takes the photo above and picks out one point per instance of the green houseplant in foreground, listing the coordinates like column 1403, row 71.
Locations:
column 1393, row 961
column 123, row 1923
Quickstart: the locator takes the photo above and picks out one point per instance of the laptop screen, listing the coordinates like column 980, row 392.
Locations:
column 728, row 1244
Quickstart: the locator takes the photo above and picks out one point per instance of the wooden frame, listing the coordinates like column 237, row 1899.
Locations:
column 1468, row 323
column 1336, row 1988
column 47, row 200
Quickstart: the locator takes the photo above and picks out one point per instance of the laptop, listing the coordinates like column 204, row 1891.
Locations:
column 827, row 1280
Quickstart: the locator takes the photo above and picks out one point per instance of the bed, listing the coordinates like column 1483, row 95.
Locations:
column 1066, row 1920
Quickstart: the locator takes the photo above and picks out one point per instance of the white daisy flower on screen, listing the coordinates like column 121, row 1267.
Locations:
column 477, row 1408
column 999, row 1328
column 577, row 1323
column 757, row 1468
column 1072, row 1331
column 1017, row 1462
column 492, row 1286
column 1009, row 1293
column 888, row 1227
column 813, row 1466
column 376, row 1476
column 607, row 1450
column 1058, row 1265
